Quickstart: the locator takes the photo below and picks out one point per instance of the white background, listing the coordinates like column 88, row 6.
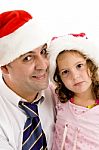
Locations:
column 61, row 16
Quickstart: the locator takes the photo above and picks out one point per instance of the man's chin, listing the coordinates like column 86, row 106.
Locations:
column 44, row 86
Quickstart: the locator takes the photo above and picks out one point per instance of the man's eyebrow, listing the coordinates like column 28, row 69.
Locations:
column 31, row 52
column 45, row 45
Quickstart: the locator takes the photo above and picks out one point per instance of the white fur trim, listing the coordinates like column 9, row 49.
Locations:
column 24, row 39
column 70, row 42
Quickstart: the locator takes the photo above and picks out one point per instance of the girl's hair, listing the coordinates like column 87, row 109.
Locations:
column 65, row 94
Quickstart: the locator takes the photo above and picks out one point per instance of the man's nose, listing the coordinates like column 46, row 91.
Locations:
column 41, row 63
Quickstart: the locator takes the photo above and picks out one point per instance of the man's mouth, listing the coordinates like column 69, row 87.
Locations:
column 39, row 77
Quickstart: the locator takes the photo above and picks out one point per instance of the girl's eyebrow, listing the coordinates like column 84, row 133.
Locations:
column 82, row 61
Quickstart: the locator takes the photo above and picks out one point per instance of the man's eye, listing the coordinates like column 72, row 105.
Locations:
column 28, row 58
column 44, row 52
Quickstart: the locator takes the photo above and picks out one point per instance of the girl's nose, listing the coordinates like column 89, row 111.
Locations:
column 75, row 74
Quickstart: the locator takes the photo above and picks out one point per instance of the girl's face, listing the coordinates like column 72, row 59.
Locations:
column 74, row 72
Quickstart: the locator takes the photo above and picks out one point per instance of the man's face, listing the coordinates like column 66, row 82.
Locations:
column 29, row 72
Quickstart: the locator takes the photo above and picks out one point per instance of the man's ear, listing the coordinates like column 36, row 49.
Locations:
column 4, row 69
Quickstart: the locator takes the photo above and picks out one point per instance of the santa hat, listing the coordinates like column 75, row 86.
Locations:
column 19, row 34
column 71, row 41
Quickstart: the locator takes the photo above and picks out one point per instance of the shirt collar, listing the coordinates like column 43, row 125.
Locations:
column 40, row 94
column 13, row 97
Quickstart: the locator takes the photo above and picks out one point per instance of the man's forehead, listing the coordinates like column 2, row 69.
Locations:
column 41, row 47
column 36, row 49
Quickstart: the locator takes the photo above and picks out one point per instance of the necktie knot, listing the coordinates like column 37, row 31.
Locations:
column 31, row 109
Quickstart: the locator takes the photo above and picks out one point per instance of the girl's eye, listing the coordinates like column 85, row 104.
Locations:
column 80, row 66
column 64, row 73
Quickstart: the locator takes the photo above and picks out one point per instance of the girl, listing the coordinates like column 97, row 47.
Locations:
column 77, row 86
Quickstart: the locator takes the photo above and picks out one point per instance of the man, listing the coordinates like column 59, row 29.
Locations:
column 25, row 67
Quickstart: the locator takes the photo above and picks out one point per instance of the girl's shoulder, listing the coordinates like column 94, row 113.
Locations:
column 61, row 107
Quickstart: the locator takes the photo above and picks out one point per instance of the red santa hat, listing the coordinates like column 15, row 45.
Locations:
column 71, row 41
column 19, row 34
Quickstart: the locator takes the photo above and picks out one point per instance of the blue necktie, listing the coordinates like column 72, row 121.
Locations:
column 33, row 135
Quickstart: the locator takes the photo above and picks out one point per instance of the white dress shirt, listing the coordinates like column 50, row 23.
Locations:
column 13, row 118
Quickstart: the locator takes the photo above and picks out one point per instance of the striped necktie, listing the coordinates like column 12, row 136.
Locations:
column 33, row 135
